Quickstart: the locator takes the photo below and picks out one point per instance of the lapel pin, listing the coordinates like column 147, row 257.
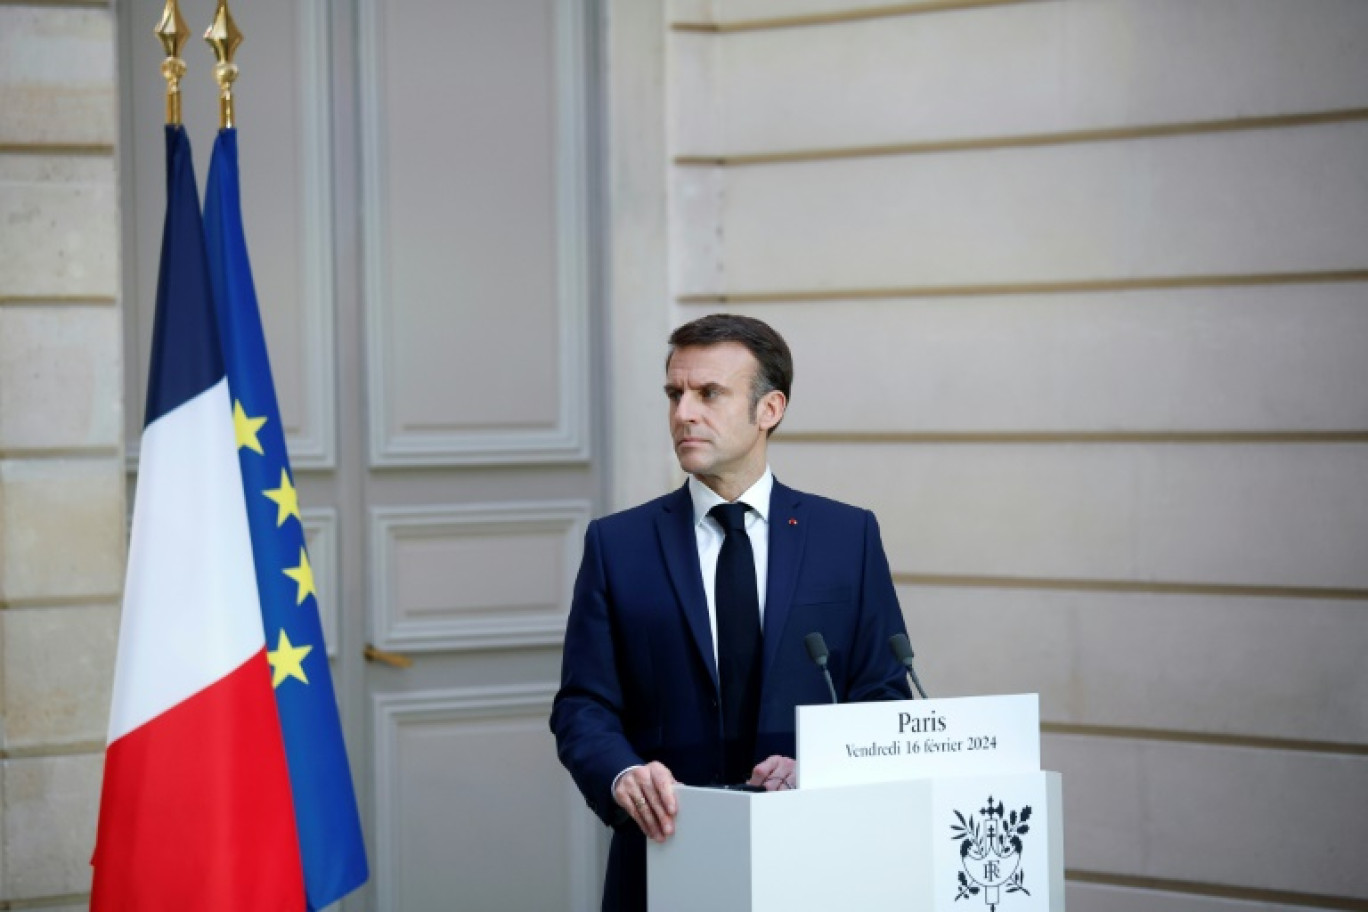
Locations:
column 792, row 521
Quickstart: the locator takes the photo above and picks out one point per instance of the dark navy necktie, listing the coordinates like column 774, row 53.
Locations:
column 738, row 641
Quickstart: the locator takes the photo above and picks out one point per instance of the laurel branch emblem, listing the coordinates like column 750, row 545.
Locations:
column 990, row 852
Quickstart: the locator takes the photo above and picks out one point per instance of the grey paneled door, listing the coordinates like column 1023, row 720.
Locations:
column 416, row 188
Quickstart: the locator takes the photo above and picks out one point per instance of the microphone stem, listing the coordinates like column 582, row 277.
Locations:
column 831, row 688
column 911, row 672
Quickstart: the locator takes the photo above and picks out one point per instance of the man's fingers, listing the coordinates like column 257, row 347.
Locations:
column 639, row 807
column 648, row 820
column 774, row 774
column 662, row 783
column 647, row 794
column 764, row 770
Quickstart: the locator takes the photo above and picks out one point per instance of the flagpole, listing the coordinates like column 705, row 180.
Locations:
column 173, row 33
column 224, row 37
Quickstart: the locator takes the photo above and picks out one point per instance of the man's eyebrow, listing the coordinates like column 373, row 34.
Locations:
column 709, row 386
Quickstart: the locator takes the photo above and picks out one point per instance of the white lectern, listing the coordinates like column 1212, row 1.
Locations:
column 989, row 840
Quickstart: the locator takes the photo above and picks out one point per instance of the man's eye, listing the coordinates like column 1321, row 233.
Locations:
column 672, row 395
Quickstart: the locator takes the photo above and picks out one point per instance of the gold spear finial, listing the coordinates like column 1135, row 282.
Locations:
column 173, row 33
column 223, row 36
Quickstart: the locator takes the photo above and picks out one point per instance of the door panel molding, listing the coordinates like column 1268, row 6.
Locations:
column 393, row 714
column 432, row 589
column 560, row 435
column 320, row 537
column 314, row 444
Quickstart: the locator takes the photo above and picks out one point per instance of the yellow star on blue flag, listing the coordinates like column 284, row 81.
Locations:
column 303, row 576
column 245, row 428
column 286, row 499
column 286, row 660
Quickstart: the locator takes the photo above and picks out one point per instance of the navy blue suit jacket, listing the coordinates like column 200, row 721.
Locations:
column 638, row 678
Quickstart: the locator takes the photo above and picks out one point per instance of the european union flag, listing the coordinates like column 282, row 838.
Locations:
column 331, row 844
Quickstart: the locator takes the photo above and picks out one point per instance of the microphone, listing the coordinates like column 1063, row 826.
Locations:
column 902, row 651
column 817, row 651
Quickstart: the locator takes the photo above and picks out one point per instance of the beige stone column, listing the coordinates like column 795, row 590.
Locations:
column 62, row 509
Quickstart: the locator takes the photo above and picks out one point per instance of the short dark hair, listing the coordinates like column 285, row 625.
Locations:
column 775, row 370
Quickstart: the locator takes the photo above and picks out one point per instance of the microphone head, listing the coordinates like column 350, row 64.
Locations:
column 816, row 648
column 902, row 649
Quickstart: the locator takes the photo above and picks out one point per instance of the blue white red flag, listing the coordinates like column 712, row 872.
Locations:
column 196, row 810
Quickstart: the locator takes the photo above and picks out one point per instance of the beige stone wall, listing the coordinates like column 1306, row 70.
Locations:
column 1079, row 298
column 62, row 525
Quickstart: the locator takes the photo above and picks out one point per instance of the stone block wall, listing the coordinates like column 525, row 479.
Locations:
column 62, row 486
column 1075, row 290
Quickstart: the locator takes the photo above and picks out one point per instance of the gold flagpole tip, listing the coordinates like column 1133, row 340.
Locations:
column 224, row 37
column 173, row 33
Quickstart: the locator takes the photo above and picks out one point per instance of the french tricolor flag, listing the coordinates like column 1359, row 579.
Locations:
column 197, row 809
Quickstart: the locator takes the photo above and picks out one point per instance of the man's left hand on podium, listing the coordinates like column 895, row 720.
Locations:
column 775, row 774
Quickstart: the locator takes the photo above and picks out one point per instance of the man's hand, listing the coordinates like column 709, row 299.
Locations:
column 775, row 773
column 647, row 794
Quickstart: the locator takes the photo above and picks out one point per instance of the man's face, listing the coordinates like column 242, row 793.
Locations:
column 716, row 436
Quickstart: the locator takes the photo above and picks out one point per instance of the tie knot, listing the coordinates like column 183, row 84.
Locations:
column 732, row 516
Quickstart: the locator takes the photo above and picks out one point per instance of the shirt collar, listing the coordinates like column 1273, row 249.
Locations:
column 757, row 497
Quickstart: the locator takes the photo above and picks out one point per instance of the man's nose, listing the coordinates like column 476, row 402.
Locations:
column 685, row 409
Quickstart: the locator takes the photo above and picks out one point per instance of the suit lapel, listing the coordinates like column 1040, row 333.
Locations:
column 679, row 545
column 787, row 536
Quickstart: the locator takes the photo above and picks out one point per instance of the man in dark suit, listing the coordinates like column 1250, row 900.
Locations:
column 684, row 656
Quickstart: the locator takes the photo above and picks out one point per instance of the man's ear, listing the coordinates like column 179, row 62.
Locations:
column 770, row 409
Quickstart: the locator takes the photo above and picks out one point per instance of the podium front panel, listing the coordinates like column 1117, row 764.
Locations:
column 897, row 844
